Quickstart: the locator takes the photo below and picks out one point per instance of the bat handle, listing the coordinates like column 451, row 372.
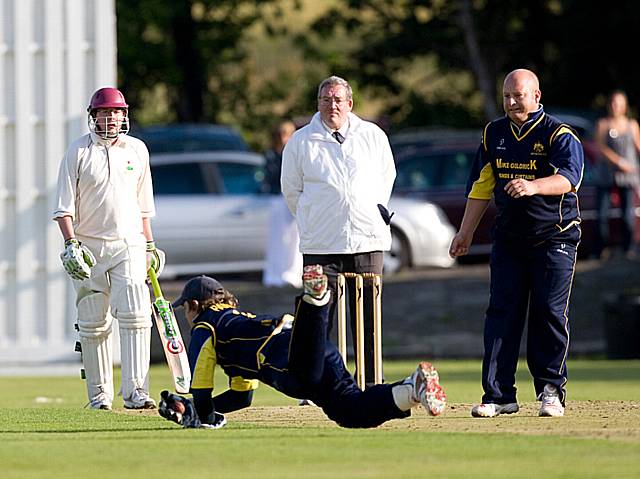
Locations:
column 157, row 292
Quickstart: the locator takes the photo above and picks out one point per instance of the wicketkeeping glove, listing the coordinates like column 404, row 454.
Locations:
column 77, row 259
column 180, row 410
column 155, row 258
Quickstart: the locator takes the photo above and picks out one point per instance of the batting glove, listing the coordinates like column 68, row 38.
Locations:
column 77, row 259
column 155, row 258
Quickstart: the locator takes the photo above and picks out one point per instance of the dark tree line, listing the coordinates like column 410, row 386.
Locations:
column 193, row 53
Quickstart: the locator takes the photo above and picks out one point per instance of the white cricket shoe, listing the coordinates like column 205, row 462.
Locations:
column 140, row 400
column 100, row 401
column 105, row 406
column 493, row 410
column 551, row 405
column 316, row 285
column 427, row 390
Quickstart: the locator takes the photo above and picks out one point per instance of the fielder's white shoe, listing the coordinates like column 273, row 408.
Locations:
column 315, row 285
column 427, row 390
column 551, row 405
column 493, row 410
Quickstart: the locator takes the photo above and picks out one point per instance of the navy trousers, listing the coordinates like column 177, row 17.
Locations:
column 312, row 368
column 534, row 281
column 369, row 262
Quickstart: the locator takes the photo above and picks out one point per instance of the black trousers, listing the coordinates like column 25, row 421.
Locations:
column 370, row 262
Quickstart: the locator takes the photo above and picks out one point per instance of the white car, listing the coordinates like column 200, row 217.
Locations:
column 212, row 217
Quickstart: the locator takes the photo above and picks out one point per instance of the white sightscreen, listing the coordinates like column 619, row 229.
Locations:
column 53, row 55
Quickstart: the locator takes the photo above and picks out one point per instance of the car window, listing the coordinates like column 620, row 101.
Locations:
column 434, row 170
column 182, row 179
column 417, row 173
column 456, row 168
column 241, row 178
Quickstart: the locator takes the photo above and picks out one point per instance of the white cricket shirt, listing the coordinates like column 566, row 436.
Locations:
column 106, row 189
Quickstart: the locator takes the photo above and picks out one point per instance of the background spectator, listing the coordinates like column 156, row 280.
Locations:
column 618, row 139
column 283, row 260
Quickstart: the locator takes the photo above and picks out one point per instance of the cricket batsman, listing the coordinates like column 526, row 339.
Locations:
column 295, row 358
column 104, row 205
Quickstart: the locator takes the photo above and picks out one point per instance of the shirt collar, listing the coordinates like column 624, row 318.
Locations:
column 533, row 117
column 344, row 129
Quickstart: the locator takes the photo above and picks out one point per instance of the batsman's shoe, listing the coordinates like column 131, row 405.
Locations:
column 100, row 401
column 147, row 404
column 493, row 410
column 140, row 400
column 316, row 285
column 105, row 406
column 427, row 390
column 551, row 405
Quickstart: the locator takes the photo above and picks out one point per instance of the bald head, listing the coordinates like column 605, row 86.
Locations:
column 521, row 95
column 523, row 76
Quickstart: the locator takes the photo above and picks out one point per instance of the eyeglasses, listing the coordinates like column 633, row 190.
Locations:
column 328, row 100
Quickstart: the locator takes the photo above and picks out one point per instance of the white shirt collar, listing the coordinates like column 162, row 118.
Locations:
column 344, row 129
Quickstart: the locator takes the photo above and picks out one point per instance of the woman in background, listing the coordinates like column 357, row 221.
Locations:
column 618, row 140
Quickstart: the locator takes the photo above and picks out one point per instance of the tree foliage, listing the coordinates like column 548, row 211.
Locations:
column 418, row 62
column 191, row 48
column 580, row 49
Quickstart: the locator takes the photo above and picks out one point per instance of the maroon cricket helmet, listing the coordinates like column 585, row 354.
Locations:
column 107, row 97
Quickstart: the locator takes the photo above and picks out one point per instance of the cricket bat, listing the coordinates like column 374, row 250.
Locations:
column 171, row 339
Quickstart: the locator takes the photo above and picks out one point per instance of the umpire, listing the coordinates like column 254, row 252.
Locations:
column 532, row 164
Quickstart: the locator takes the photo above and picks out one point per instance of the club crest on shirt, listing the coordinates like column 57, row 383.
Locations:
column 538, row 149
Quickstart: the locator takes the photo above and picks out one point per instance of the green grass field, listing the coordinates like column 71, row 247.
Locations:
column 46, row 432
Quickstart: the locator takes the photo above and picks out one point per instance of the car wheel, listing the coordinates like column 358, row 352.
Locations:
column 399, row 256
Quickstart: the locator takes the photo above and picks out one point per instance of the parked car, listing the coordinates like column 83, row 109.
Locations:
column 212, row 218
column 413, row 138
column 173, row 138
column 438, row 173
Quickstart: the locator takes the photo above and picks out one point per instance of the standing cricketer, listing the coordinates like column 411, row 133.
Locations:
column 103, row 208
column 532, row 164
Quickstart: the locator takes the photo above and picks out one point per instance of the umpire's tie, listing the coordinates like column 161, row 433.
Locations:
column 338, row 136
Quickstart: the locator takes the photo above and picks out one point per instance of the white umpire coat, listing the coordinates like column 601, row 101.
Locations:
column 333, row 189
column 106, row 190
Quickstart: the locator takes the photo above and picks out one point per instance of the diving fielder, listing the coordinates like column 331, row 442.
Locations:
column 297, row 361
column 103, row 208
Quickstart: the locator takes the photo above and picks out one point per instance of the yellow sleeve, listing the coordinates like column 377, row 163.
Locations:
column 238, row 383
column 205, row 364
column 482, row 188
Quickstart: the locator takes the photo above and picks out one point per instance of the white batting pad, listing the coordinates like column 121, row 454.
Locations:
column 134, row 350
column 94, row 325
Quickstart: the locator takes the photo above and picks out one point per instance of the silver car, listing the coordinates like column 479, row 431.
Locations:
column 213, row 218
